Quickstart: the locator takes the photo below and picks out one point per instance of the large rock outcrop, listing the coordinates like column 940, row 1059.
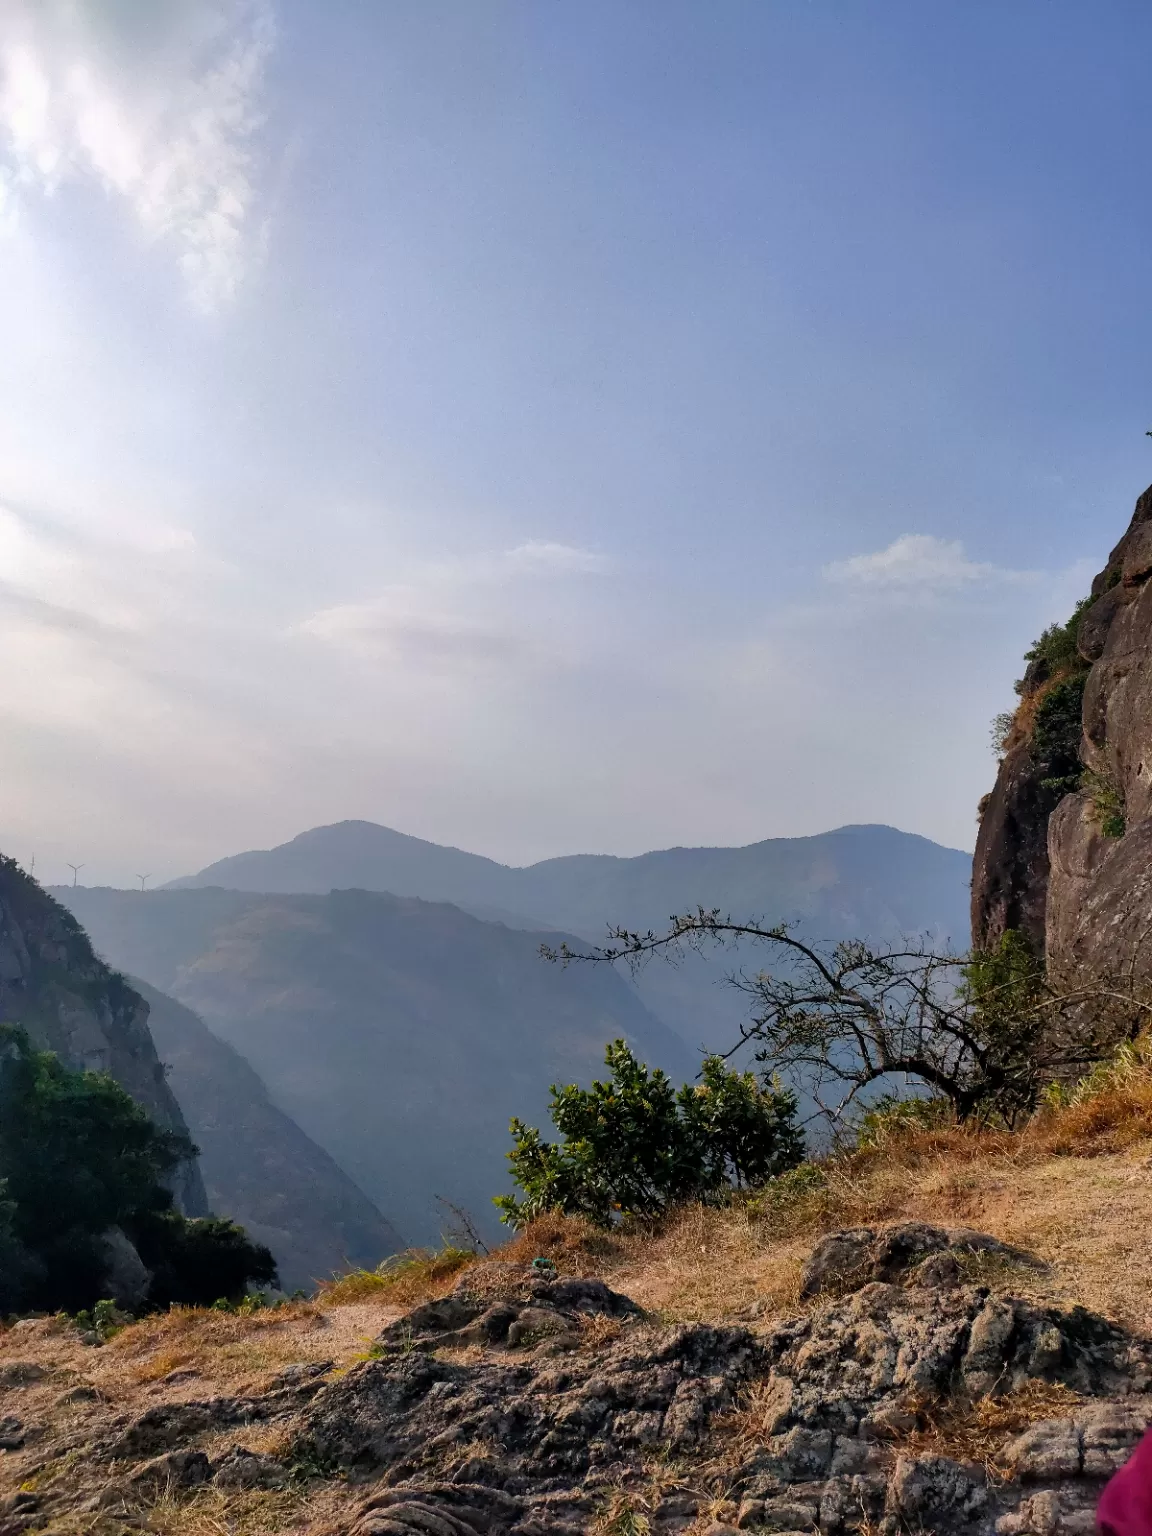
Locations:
column 520, row 1406
column 1099, row 907
column 56, row 988
column 1072, row 868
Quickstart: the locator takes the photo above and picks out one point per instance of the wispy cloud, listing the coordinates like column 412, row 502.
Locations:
column 452, row 612
column 543, row 555
column 399, row 625
column 159, row 106
column 64, row 578
column 919, row 561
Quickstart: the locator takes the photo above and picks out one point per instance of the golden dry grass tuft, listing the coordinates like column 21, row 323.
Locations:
column 573, row 1243
column 406, row 1278
column 979, row 1431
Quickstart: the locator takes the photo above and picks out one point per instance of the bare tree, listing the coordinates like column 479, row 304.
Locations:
column 465, row 1233
column 984, row 1032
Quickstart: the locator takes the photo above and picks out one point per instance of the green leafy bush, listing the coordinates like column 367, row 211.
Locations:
column 200, row 1261
column 78, row 1158
column 1056, row 732
column 1107, row 803
column 1056, row 648
column 634, row 1145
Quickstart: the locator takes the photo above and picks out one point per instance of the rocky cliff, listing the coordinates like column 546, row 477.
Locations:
column 70, row 1002
column 1066, row 836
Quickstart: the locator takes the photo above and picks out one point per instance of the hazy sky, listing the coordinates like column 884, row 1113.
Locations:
column 550, row 425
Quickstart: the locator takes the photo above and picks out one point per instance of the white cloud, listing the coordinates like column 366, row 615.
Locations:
column 918, row 560
column 61, row 577
column 399, row 625
column 163, row 115
column 543, row 555
column 453, row 612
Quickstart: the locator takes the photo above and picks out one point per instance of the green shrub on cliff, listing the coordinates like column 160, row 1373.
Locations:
column 634, row 1145
column 79, row 1159
column 1056, row 648
column 1056, row 731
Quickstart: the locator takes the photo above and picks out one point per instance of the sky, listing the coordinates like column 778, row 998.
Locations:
column 549, row 427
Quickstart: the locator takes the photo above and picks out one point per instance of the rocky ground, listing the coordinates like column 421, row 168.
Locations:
column 913, row 1390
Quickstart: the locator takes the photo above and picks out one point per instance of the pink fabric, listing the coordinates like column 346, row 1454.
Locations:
column 1125, row 1507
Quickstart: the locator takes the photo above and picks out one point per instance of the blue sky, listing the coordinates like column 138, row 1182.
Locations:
column 550, row 427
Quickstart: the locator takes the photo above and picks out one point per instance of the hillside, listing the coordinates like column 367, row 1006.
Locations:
column 1063, row 852
column 984, row 1371
column 54, row 985
column 400, row 1035
column 258, row 1166
column 868, row 882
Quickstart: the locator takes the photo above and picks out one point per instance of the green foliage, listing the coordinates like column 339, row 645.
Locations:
column 198, row 1262
column 1107, row 802
column 76, row 1152
column 1001, row 729
column 1056, row 647
column 892, row 1115
column 1004, row 989
column 634, row 1145
column 79, row 1157
column 1056, row 733
column 105, row 1320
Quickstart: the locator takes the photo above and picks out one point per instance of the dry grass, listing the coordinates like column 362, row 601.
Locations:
column 980, row 1431
column 1073, row 1188
column 408, row 1278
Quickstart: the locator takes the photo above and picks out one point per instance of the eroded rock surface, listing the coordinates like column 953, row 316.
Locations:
column 526, row 1408
column 495, row 1437
column 847, row 1260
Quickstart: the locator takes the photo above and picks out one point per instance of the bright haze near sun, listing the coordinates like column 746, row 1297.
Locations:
column 549, row 428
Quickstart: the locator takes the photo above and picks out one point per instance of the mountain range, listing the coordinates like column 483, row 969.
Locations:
column 399, row 1035
column 870, row 882
column 384, row 999
column 855, row 879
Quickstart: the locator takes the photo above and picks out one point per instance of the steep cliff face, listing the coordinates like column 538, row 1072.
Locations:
column 1069, row 860
column 1099, row 908
column 70, row 1002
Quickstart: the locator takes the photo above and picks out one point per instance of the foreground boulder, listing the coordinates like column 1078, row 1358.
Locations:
column 525, row 1424
column 529, row 1433
column 516, row 1406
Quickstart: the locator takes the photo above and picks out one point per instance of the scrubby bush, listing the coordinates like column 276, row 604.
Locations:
column 1056, row 649
column 1056, row 731
column 848, row 1022
column 79, row 1158
column 200, row 1261
column 1107, row 800
column 1051, row 711
column 634, row 1145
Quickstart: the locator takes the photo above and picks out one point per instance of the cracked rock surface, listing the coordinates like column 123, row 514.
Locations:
column 499, row 1439
column 536, row 1408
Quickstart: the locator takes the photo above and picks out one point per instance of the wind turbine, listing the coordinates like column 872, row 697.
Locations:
column 142, row 879
column 75, row 868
